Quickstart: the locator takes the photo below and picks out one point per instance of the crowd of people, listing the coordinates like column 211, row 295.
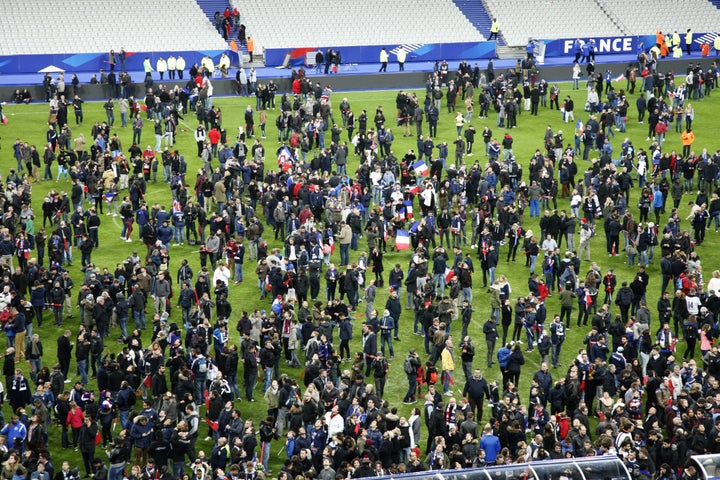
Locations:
column 460, row 221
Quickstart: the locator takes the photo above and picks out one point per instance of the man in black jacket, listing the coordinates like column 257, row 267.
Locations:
column 476, row 388
column 437, row 426
column 369, row 347
column 250, row 372
column 491, row 336
column 64, row 353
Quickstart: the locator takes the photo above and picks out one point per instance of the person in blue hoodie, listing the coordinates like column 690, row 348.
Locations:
column 141, row 218
column 585, row 50
column 577, row 49
column 502, row 357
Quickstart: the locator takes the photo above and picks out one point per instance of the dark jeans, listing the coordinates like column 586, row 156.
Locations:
column 250, row 383
column 476, row 405
column 412, row 388
column 582, row 315
column 565, row 312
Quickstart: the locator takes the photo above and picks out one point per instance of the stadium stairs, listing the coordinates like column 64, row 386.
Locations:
column 209, row 7
column 613, row 17
column 716, row 3
column 476, row 12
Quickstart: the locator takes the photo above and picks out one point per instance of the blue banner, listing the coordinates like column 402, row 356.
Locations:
column 416, row 52
column 604, row 46
column 93, row 62
column 563, row 47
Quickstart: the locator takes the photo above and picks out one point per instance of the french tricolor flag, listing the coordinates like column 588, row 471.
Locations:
column 414, row 190
column 285, row 155
column 579, row 125
column 402, row 240
column 408, row 207
column 420, row 168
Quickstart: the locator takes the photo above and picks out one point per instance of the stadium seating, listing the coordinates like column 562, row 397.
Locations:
column 641, row 18
column 86, row 26
column 520, row 19
column 281, row 24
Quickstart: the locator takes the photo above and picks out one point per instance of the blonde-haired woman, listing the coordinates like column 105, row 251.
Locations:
column 12, row 467
column 713, row 286
column 533, row 250
column 689, row 116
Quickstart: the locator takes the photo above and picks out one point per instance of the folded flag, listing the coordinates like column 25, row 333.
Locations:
column 420, row 168
column 414, row 189
column 402, row 240
column 620, row 78
column 579, row 125
column 108, row 197
column 212, row 424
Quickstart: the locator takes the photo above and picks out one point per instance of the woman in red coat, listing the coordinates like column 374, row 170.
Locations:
column 75, row 419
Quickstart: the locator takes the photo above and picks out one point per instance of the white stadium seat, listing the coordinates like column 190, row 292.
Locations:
column 25, row 31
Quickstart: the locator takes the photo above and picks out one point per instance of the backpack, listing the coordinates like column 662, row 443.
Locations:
column 408, row 367
column 202, row 365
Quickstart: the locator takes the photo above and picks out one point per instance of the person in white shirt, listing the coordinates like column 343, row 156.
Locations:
column 222, row 273
column 693, row 303
column 549, row 244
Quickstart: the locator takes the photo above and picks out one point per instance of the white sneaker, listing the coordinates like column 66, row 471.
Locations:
column 128, row 240
column 207, row 439
column 449, row 393
column 68, row 381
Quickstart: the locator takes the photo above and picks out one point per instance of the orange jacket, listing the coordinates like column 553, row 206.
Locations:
column 659, row 37
column 250, row 45
column 687, row 138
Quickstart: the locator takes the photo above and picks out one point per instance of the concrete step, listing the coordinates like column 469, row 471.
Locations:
column 510, row 52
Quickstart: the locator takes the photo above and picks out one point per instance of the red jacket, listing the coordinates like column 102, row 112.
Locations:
column 76, row 419
column 214, row 136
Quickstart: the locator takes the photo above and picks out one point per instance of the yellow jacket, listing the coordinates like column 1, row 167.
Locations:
column 448, row 362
